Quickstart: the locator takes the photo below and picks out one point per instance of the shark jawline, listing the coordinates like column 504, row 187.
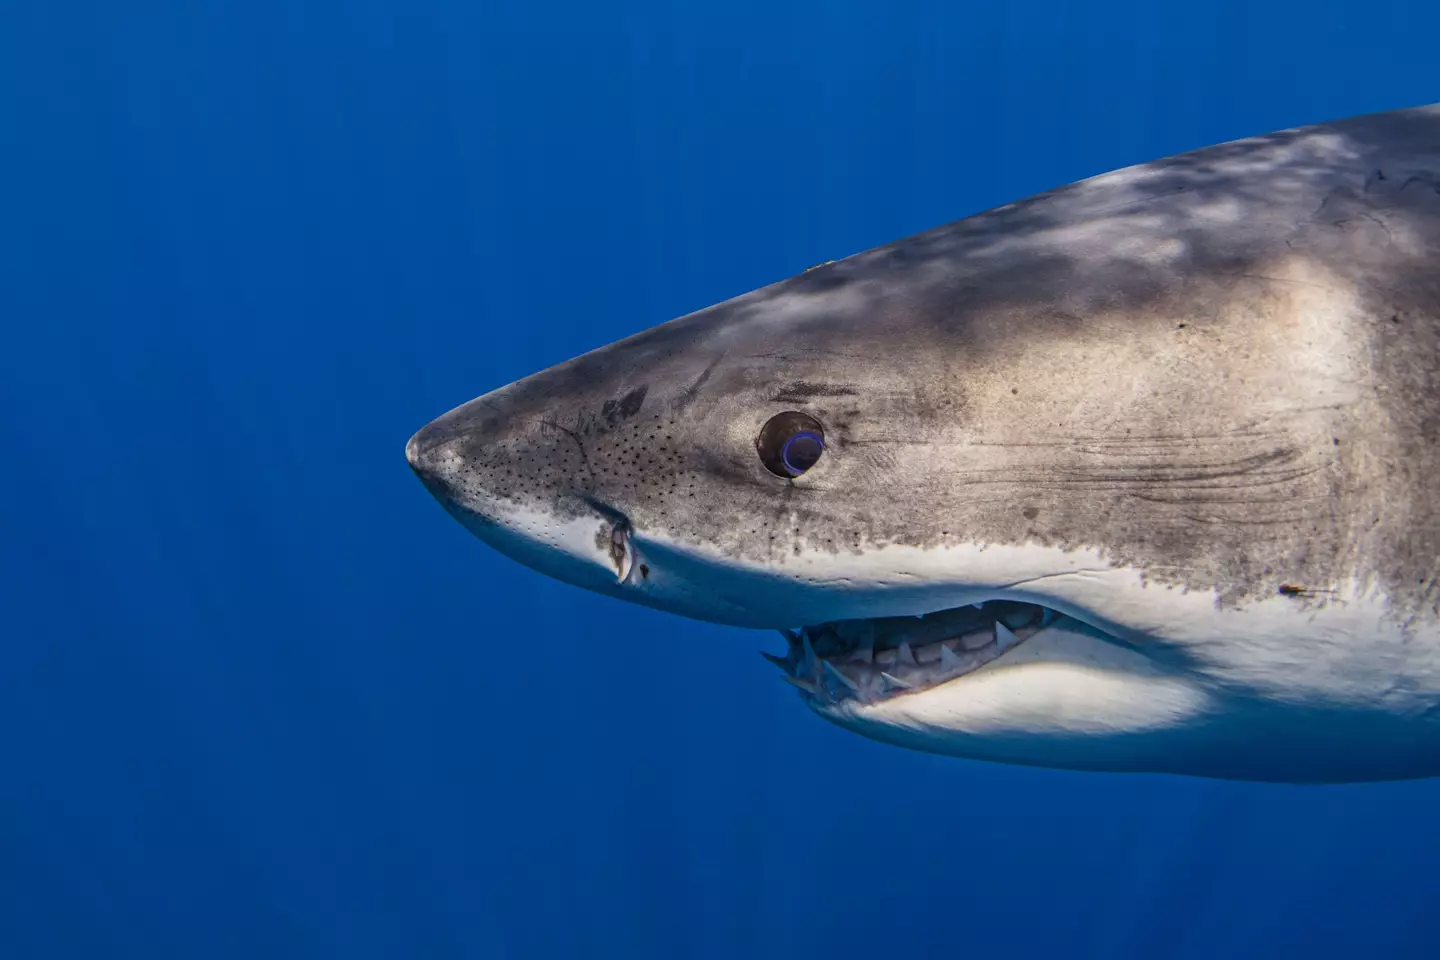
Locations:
column 871, row 660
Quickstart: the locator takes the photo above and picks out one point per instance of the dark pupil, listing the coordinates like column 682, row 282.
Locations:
column 802, row 452
column 790, row 443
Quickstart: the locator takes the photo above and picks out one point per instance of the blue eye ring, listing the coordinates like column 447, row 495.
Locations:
column 790, row 444
column 804, row 458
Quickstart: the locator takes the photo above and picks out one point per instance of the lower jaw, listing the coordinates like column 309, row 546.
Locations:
column 869, row 661
column 1069, row 696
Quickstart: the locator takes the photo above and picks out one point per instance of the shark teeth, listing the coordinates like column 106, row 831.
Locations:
column 870, row 660
column 808, row 661
column 863, row 655
column 833, row 673
column 780, row 662
column 948, row 659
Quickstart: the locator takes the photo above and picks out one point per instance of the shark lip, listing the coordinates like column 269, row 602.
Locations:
column 866, row 661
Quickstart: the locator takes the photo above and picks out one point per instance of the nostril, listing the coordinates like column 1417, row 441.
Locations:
column 621, row 553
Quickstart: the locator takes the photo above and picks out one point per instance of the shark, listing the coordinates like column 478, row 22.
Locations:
column 1137, row 475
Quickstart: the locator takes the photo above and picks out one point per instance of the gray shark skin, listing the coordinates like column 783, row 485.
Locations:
column 1140, row 474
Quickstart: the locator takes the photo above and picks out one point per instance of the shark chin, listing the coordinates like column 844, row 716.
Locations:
column 1141, row 474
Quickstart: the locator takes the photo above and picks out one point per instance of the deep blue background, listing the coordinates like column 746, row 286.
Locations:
column 259, row 696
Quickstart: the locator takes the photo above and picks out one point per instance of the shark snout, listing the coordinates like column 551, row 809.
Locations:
column 442, row 455
column 415, row 455
column 433, row 460
column 519, row 496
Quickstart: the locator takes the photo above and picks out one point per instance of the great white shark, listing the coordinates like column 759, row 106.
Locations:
column 1138, row 474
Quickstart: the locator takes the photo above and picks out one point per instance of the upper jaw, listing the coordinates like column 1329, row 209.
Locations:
column 693, row 582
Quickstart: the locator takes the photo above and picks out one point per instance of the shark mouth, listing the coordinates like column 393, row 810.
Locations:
column 872, row 660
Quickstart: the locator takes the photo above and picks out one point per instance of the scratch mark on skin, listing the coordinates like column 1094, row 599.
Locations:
column 806, row 354
column 802, row 390
column 1235, row 522
column 1389, row 237
column 1295, row 590
column 692, row 392
column 544, row 423
column 1434, row 187
column 1302, row 283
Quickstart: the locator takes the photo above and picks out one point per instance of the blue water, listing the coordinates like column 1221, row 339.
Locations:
column 260, row 697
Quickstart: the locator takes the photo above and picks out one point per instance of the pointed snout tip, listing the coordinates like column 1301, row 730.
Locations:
column 420, row 455
column 424, row 445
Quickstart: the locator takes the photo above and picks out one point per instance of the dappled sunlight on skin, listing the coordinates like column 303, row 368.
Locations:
column 1177, row 403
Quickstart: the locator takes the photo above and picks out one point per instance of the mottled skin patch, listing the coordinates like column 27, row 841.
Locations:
column 801, row 391
column 1222, row 368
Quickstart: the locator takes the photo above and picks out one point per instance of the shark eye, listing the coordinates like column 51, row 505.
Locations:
column 790, row 443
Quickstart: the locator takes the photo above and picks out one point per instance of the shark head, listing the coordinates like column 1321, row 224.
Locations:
column 1094, row 481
